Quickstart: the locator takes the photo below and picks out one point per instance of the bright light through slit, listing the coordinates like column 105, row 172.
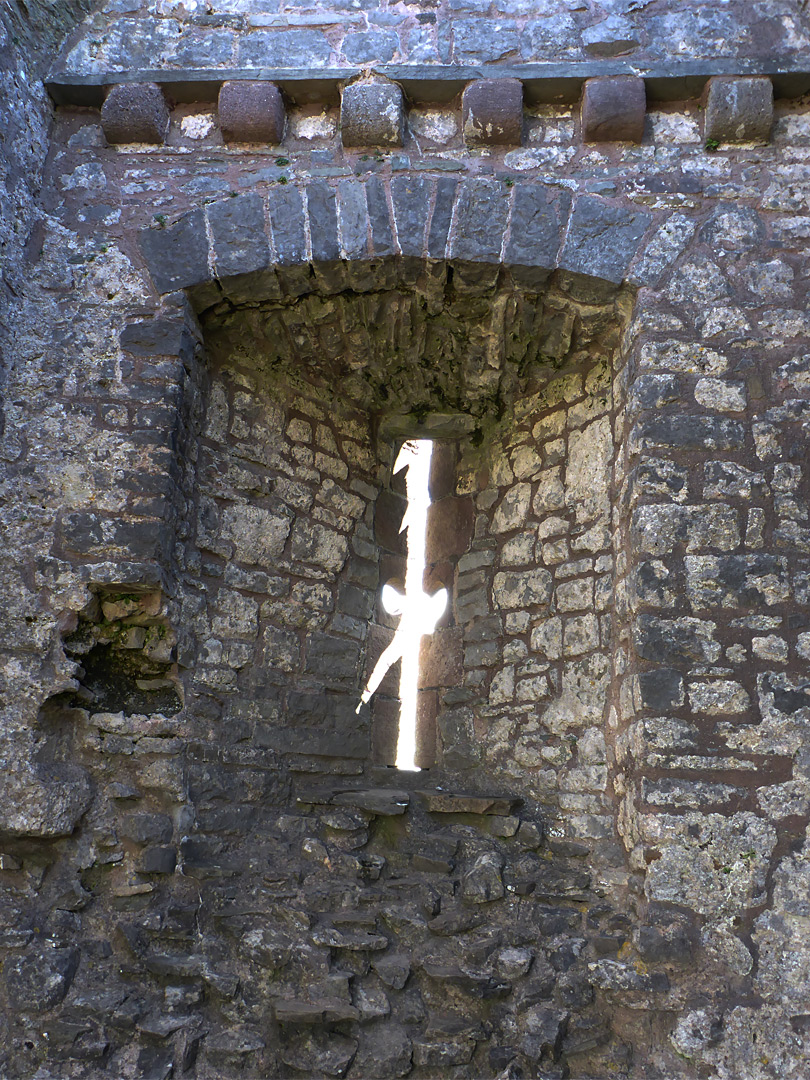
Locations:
column 418, row 612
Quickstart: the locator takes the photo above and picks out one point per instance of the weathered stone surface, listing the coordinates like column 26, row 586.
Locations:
column 288, row 225
column 322, row 211
column 613, row 109
column 48, row 802
column 410, row 197
column 522, row 590
column 393, row 969
column 372, row 114
column 544, row 1029
column 492, row 112
column 602, row 239
column 387, row 1050
column 738, row 109
column 613, row 36
column 441, row 217
column 386, row 802
column 237, row 235
column 352, row 220
column 534, row 235
column 39, row 979
column 481, row 212
column 135, row 113
column 483, row 882
column 251, row 111
column 320, row 1053
column 647, row 699
column 438, row 802
column 177, row 255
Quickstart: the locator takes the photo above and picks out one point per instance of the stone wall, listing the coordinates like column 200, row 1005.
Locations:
column 255, row 34
column 212, row 352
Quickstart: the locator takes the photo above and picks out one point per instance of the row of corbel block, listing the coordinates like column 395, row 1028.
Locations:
column 737, row 109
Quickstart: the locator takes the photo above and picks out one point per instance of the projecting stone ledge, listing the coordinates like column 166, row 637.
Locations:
column 251, row 111
column 444, row 802
column 372, row 114
column 493, row 112
column 379, row 802
column 738, row 109
column 135, row 113
column 613, row 109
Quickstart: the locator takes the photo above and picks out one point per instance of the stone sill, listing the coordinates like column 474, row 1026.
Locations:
column 390, row 801
column 543, row 83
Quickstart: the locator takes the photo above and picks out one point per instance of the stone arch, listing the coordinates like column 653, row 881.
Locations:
column 533, row 241
column 531, row 229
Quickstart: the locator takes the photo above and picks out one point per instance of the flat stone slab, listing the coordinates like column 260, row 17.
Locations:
column 353, row 940
column 439, row 802
column 380, row 801
column 321, row 1012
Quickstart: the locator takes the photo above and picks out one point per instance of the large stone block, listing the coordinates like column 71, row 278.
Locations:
column 481, row 214
column 534, row 235
column 352, row 219
column 135, row 113
column 288, row 225
column 613, row 109
column 177, row 256
column 323, row 222
column 382, row 234
column 602, row 239
column 238, row 236
column 493, row 112
column 40, row 978
column 738, row 109
column 372, row 114
column 410, row 196
column 251, row 111
column 442, row 215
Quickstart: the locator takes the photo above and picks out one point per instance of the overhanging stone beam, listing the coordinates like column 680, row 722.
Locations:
column 543, row 83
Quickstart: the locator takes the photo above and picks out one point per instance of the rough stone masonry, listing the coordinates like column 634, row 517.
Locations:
column 247, row 248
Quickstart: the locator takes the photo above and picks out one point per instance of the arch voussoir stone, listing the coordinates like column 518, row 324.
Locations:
column 531, row 228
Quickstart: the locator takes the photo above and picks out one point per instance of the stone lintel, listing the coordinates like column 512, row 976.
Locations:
column 543, row 82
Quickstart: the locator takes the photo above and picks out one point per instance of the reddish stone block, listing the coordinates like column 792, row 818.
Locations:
column 251, row 111
column 427, row 710
column 450, row 527
column 443, row 470
column 440, row 659
column 492, row 112
column 388, row 513
column 135, row 113
column 613, row 109
column 384, row 729
column 738, row 109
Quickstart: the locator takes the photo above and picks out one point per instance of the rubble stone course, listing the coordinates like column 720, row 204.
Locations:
column 212, row 347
